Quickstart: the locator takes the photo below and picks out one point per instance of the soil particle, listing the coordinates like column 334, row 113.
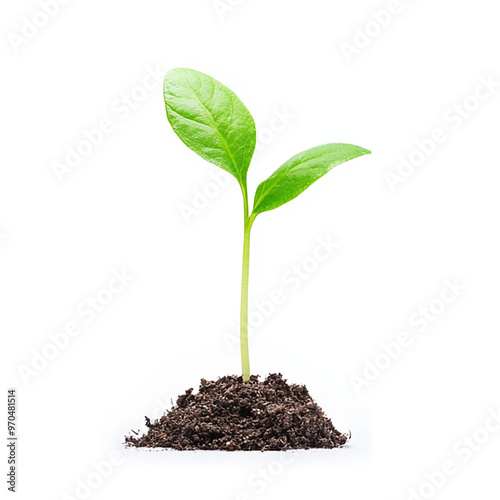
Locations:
column 228, row 414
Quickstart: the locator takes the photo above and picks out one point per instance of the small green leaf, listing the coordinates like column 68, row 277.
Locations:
column 298, row 173
column 211, row 120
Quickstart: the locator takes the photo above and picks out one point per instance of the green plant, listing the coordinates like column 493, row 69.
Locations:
column 211, row 120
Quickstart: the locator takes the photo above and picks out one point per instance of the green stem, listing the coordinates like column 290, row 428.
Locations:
column 245, row 356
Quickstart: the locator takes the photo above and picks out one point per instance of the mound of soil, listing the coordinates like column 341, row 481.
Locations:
column 231, row 415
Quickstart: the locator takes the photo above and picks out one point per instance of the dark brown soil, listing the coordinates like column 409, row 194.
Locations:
column 230, row 415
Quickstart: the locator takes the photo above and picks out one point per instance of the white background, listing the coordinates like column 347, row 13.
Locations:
column 120, row 208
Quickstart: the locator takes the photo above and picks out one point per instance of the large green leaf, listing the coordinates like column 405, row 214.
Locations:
column 298, row 173
column 211, row 120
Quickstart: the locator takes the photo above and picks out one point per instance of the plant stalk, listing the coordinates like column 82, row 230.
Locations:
column 245, row 355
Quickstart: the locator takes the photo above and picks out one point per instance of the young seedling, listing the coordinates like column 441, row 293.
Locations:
column 212, row 121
